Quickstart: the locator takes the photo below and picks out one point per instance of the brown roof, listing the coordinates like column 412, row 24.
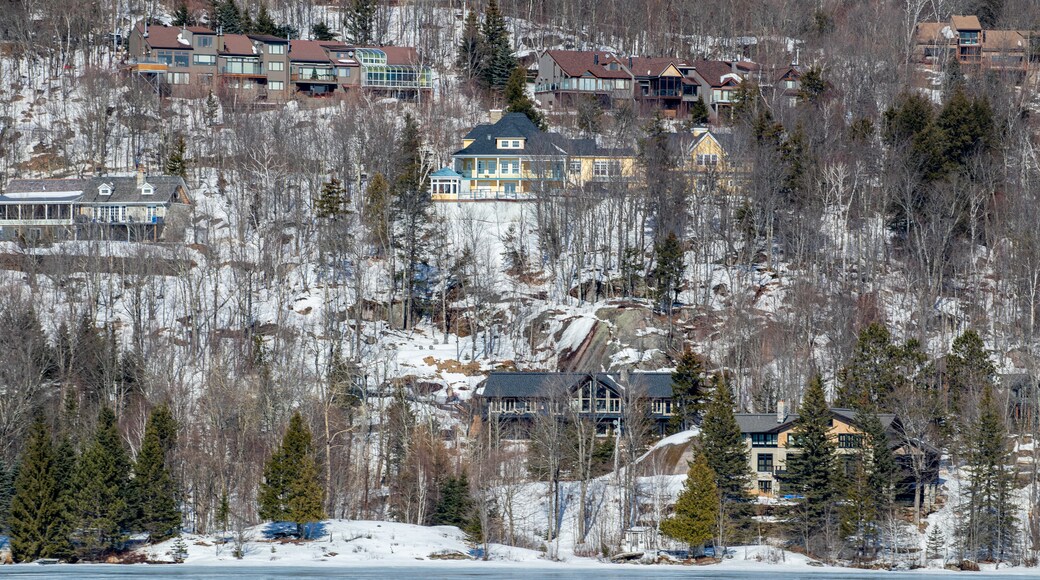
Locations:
column 966, row 22
column 746, row 65
column 201, row 30
column 165, row 37
column 578, row 63
column 1003, row 40
column 931, row 32
column 642, row 66
column 712, row 71
column 307, row 51
column 238, row 44
column 400, row 54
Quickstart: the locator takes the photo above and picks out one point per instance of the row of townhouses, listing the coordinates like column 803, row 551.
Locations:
column 964, row 40
column 193, row 60
column 136, row 208
column 516, row 399
column 511, row 158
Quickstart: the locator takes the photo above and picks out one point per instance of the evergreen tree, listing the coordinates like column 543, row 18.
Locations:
column 101, row 484
column 455, row 507
column 990, row 525
column 812, row 468
column 360, row 22
column 6, row 494
column 988, row 11
column 181, row 16
column 727, row 455
column 290, row 491
column 696, row 509
column 812, row 85
column 411, row 207
column 698, row 112
column 376, row 211
column 668, row 271
column 321, row 31
column 877, row 368
column 871, row 487
column 38, row 513
column 498, row 62
column 969, row 370
column 469, row 55
column 967, row 126
column 687, row 392
column 936, row 546
column 177, row 164
column 332, row 201
column 517, row 99
column 223, row 515
column 264, row 24
column 154, row 491
column 228, row 18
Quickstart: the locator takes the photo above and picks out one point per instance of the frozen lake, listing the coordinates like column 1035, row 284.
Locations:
column 448, row 571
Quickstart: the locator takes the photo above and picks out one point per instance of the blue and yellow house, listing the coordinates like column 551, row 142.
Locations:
column 512, row 158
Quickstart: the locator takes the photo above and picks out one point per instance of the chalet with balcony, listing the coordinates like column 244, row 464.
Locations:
column 716, row 83
column 118, row 208
column 963, row 38
column 567, row 76
column 516, row 398
column 512, row 159
column 715, row 160
column 771, row 442
column 661, row 86
column 172, row 59
column 311, row 71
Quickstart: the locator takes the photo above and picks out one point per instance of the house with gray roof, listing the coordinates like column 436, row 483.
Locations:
column 134, row 208
column 518, row 397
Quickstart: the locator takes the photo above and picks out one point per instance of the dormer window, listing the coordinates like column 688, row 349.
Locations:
column 147, row 189
column 510, row 143
column 105, row 189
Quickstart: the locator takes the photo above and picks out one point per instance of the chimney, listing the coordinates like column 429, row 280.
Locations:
column 781, row 412
column 140, row 174
column 624, row 377
column 495, row 115
column 595, row 58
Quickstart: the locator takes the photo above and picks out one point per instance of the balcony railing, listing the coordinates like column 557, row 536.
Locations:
column 255, row 70
column 313, row 77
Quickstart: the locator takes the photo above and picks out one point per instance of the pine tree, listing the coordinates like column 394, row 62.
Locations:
column 726, row 451
column 812, row 468
column 181, row 16
column 360, row 22
column 455, row 507
column 101, row 481
column 332, row 201
column 154, row 490
column 967, row 126
column 469, row 55
column 990, row 525
column 177, row 164
column 264, row 24
column 687, row 392
column 498, row 62
column 228, row 17
column 321, row 31
column 969, row 370
column 669, row 267
column 37, row 511
column 876, row 369
column 6, row 494
column 698, row 112
column 290, row 491
column 696, row 509
column 812, row 85
column 517, row 99
column 411, row 207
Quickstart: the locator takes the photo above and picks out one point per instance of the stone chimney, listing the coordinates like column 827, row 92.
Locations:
column 781, row 411
column 494, row 115
column 140, row 174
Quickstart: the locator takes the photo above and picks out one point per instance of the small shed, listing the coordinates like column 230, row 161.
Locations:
column 640, row 539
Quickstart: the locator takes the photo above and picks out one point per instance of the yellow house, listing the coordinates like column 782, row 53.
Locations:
column 512, row 158
column 714, row 161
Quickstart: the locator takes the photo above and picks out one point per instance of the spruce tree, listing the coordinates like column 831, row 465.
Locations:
column 410, row 208
column 969, row 370
column 228, row 17
column 6, row 494
column 687, row 392
column 498, row 62
column 321, row 31
column 668, row 271
column 517, row 99
column 727, row 454
column 332, row 200
column 812, row 85
column 37, row 511
column 181, row 16
column 290, row 491
column 455, row 507
column 154, row 491
column 877, row 367
column 469, row 55
column 264, row 24
column 360, row 22
column 176, row 164
column 936, row 546
column 990, row 525
column 811, row 465
column 698, row 112
column 696, row 509
column 100, row 508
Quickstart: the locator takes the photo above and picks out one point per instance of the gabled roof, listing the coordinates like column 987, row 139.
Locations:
column 537, row 143
column 713, row 71
column 767, row 422
column 165, row 37
column 642, row 66
column 124, row 190
column 997, row 40
column 931, row 32
column 307, row 51
column 579, row 63
column 966, row 22
column 238, row 45
column 527, row 385
column 725, row 140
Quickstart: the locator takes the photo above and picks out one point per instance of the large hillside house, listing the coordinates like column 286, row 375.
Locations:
column 964, row 40
column 192, row 61
column 116, row 208
column 665, row 84
column 770, row 442
column 511, row 158
column 516, row 398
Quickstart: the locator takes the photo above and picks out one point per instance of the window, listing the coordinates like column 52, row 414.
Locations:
column 765, row 486
column 147, row 189
column 105, row 190
column 178, row 78
column 150, row 214
column 850, row 441
column 574, row 166
column 343, row 72
column 511, row 167
column 276, row 66
column 764, row 462
column 510, row 144
column 707, row 159
column 600, row 169
column 276, row 85
column 205, row 59
column 275, row 49
column 763, row 439
column 110, row 213
column 172, row 57
column 203, row 41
